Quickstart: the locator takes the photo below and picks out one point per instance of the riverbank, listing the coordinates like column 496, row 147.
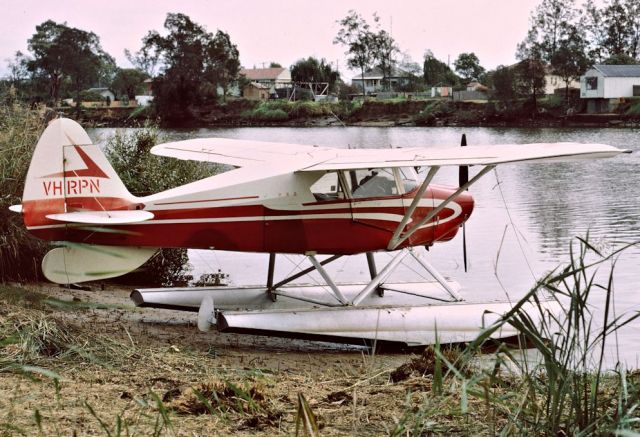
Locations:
column 87, row 362
column 245, row 113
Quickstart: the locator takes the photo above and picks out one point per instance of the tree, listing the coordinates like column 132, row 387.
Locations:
column 383, row 48
column 129, row 82
column 530, row 79
column 620, row 59
column 48, row 55
column 223, row 66
column 356, row 35
column 314, row 70
column 193, row 63
column 274, row 65
column 145, row 60
column 60, row 51
column 468, row 66
column 504, row 84
column 413, row 70
column 613, row 31
column 437, row 72
column 570, row 59
column 552, row 36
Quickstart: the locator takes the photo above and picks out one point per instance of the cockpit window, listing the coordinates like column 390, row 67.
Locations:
column 376, row 182
column 328, row 187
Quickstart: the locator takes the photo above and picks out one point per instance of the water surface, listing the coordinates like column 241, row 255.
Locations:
column 525, row 219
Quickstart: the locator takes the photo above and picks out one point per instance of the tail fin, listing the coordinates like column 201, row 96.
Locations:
column 69, row 173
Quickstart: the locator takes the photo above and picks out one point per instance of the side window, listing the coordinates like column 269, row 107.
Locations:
column 592, row 83
column 375, row 182
column 328, row 188
column 408, row 178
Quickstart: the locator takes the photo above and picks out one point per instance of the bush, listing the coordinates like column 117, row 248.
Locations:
column 432, row 111
column 552, row 102
column 266, row 112
column 634, row 109
column 468, row 117
column 144, row 174
column 20, row 128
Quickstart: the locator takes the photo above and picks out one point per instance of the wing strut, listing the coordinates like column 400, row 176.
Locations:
column 416, row 200
column 394, row 243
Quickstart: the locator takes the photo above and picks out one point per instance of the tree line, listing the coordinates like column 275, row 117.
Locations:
column 191, row 67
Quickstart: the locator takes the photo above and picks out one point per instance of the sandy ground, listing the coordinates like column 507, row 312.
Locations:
column 133, row 371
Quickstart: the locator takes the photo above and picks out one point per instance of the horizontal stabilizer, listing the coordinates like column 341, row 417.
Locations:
column 103, row 217
column 16, row 208
column 82, row 263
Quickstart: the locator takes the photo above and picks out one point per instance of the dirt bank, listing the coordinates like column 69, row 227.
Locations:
column 146, row 370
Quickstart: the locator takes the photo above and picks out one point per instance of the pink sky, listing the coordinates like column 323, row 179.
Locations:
column 287, row 30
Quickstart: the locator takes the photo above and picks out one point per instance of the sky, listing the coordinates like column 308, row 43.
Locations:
column 284, row 31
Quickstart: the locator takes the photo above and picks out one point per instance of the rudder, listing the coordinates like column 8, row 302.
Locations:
column 69, row 173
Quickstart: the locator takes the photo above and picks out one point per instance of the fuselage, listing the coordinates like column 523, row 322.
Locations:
column 275, row 211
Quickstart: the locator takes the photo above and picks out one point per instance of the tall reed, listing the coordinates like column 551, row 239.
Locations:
column 570, row 389
column 20, row 127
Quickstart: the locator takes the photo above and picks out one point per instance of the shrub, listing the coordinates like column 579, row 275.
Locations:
column 431, row 111
column 265, row 112
column 552, row 102
column 468, row 117
column 20, row 128
column 634, row 109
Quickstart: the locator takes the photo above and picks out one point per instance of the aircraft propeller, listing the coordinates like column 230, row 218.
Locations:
column 463, row 178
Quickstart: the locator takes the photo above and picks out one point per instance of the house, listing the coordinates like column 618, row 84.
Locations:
column 274, row 78
column 554, row 82
column 474, row 85
column 256, row 91
column 441, row 91
column 106, row 93
column 373, row 80
column 604, row 85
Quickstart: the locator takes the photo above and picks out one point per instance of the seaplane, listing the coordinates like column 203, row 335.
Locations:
column 321, row 203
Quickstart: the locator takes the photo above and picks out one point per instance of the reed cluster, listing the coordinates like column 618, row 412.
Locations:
column 20, row 128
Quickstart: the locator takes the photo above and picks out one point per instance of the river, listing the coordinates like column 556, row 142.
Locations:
column 525, row 220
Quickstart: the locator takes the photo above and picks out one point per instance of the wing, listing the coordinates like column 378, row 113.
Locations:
column 239, row 153
column 242, row 153
column 470, row 155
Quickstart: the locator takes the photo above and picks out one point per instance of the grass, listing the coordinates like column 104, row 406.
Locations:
column 568, row 389
column 20, row 129
column 77, row 368
column 281, row 110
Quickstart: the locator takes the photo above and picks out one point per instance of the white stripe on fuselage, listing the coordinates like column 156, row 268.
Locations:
column 376, row 216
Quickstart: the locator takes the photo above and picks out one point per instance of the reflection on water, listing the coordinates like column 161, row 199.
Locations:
column 526, row 215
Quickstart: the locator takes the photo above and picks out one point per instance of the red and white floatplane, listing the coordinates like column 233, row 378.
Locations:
column 320, row 202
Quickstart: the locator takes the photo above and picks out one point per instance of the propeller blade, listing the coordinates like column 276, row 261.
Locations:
column 463, row 171
column 464, row 247
column 463, row 178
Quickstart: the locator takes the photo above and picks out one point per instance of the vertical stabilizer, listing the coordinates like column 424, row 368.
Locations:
column 69, row 173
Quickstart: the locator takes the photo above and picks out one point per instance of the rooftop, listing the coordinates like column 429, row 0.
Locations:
column 619, row 70
column 262, row 73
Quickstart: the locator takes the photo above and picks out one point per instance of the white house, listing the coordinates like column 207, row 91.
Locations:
column 605, row 85
column 552, row 82
column 373, row 79
column 106, row 93
column 274, row 78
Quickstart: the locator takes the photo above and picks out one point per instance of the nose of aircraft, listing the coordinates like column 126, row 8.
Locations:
column 454, row 214
column 465, row 200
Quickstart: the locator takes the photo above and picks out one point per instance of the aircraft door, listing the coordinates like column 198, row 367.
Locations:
column 375, row 198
